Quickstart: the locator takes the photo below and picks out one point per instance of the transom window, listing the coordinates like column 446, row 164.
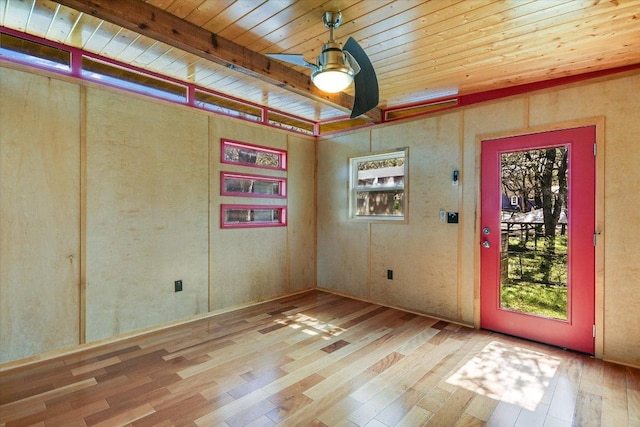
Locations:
column 377, row 186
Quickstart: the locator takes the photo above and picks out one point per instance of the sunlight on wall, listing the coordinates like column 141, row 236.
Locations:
column 508, row 373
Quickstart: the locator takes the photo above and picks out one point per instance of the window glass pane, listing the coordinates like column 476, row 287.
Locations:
column 377, row 185
column 535, row 232
column 248, row 185
column 390, row 203
column 381, row 173
column 252, row 216
column 132, row 80
column 291, row 123
column 227, row 106
column 31, row 52
column 247, row 155
column 252, row 155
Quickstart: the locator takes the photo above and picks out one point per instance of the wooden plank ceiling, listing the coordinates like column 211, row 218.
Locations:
column 421, row 50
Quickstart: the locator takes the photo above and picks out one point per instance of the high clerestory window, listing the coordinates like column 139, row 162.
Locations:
column 378, row 186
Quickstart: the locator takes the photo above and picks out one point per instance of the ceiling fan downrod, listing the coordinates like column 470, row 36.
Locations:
column 331, row 20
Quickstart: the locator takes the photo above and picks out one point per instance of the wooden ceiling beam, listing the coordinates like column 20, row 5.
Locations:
column 150, row 21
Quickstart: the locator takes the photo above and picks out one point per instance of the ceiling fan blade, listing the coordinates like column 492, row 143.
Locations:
column 366, row 91
column 291, row 58
column 352, row 62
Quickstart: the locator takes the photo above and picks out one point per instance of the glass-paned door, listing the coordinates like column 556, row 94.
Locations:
column 537, row 250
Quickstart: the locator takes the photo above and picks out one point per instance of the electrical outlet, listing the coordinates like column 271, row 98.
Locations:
column 390, row 274
column 178, row 285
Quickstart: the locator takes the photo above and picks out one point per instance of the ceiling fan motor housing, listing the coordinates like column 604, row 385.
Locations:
column 333, row 58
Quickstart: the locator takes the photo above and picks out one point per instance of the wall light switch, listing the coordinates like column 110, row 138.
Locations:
column 443, row 215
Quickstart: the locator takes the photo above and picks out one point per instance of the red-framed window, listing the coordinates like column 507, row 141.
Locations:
column 252, row 216
column 240, row 153
column 249, row 185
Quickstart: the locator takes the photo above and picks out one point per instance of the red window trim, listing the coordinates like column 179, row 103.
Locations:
column 281, row 195
column 281, row 223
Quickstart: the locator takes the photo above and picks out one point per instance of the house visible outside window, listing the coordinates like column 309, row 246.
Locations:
column 377, row 186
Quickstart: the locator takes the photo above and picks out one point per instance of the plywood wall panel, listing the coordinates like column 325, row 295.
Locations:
column 423, row 252
column 343, row 245
column 40, row 214
column 247, row 265
column 617, row 100
column 147, row 213
column 301, row 229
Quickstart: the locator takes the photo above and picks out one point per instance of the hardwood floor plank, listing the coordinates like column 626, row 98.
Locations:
column 263, row 421
column 73, row 416
column 633, row 378
column 19, row 412
column 505, row 414
column 614, row 413
column 292, row 398
column 250, row 413
column 39, row 398
column 588, row 410
column 257, row 382
column 453, row 408
column 394, row 412
column 325, row 366
column 614, row 382
column 343, row 370
column 319, row 359
column 326, row 406
column 100, row 391
column 369, row 410
column 417, row 416
column 564, row 399
column 434, row 399
column 122, row 418
column 534, row 417
column 633, row 401
column 467, row 420
column 95, row 366
column 481, row 407
column 233, row 408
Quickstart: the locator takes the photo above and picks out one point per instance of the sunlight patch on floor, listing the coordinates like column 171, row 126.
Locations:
column 311, row 325
column 508, row 373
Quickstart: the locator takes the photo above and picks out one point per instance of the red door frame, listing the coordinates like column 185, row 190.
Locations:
column 577, row 331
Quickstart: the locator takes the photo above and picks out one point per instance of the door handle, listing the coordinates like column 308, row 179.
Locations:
column 486, row 244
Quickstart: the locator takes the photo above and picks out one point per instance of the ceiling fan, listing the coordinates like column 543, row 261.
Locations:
column 337, row 67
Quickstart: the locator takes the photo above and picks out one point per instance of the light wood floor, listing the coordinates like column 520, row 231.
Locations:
column 319, row 359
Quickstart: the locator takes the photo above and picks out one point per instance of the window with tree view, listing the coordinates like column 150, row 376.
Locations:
column 377, row 186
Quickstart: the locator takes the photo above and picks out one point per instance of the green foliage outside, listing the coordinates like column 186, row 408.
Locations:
column 378, row 164
column 526, row 288
column 541, row 300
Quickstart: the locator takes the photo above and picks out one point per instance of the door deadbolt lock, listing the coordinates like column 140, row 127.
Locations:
column 486, row 244
column 486, row 230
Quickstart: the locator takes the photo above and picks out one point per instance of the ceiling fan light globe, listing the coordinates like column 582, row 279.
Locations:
column 332, row 81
